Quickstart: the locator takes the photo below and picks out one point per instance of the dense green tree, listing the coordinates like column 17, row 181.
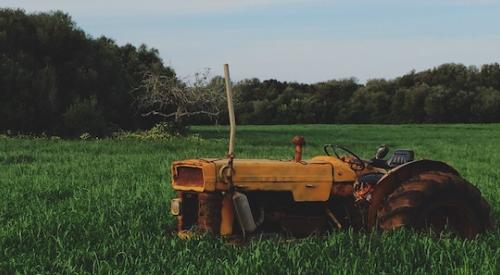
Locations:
column 409, row 104
column 47, row 64
column 56, row 79
column 486, row 105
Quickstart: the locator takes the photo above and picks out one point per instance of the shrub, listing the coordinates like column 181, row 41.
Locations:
column 160, row 131
column 84, row 116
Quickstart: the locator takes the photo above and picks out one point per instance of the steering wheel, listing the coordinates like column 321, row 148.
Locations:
column 357, row 164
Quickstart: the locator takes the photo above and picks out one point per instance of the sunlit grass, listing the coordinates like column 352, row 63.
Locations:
column 102, row 205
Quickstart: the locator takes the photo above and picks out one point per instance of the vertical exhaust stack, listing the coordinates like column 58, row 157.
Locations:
column 230, row 109
column 227, row 170
column 299, row 142
column 240, row 200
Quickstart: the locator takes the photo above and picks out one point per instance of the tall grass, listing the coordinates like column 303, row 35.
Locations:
column 102, row 205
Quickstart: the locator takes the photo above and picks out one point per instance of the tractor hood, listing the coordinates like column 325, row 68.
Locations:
column 309, row 180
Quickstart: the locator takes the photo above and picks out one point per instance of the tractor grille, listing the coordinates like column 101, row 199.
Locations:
column 189, row 176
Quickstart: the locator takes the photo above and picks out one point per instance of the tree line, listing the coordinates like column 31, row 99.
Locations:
column 450, row 93
column 56, row 79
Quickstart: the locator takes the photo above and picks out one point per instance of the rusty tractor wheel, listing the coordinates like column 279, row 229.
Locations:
column 437, row 201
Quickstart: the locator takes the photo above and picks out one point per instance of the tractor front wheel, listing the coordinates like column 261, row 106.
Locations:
column 436, row 201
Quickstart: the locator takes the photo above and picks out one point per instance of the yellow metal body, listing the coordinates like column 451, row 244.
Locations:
column 227, row 215
column 309, row 180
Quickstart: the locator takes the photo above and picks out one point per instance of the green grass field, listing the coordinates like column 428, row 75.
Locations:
column 102, row 205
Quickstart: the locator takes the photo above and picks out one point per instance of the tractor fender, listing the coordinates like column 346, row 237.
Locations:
column 393, row 179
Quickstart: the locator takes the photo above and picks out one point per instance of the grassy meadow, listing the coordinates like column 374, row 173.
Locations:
column 102, row 206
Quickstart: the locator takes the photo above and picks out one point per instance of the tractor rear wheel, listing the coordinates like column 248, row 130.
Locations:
column 437, row 201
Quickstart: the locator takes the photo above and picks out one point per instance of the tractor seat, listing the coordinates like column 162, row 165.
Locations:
column 400, row 157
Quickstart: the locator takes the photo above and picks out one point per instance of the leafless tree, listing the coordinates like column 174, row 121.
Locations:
column 174, row 99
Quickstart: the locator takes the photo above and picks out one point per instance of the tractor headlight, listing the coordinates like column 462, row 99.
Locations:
column 175, row 206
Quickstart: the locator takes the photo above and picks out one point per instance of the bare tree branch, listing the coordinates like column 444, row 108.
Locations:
column 170, row 98
column 155, row 113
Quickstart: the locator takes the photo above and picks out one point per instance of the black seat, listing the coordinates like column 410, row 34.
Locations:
column 401, row 156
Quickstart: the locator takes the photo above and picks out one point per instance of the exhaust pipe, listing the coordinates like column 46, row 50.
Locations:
column 240, row 200
column 227, row 170
column 244, row 213
column 230, row 109
column 299, row 142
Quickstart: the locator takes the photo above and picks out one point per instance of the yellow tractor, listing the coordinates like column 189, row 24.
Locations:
column 239, row 197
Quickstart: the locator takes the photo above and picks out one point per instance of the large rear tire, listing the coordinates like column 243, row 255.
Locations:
column 436, row 201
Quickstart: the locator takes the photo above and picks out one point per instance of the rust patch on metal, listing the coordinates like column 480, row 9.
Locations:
column 343, row 189
column 209, row 212
column 189, row 176
column 299, row 142
column 363, row 192
column 388, row 183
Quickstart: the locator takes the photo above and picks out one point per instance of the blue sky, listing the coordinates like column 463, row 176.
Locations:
column 296, row 40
